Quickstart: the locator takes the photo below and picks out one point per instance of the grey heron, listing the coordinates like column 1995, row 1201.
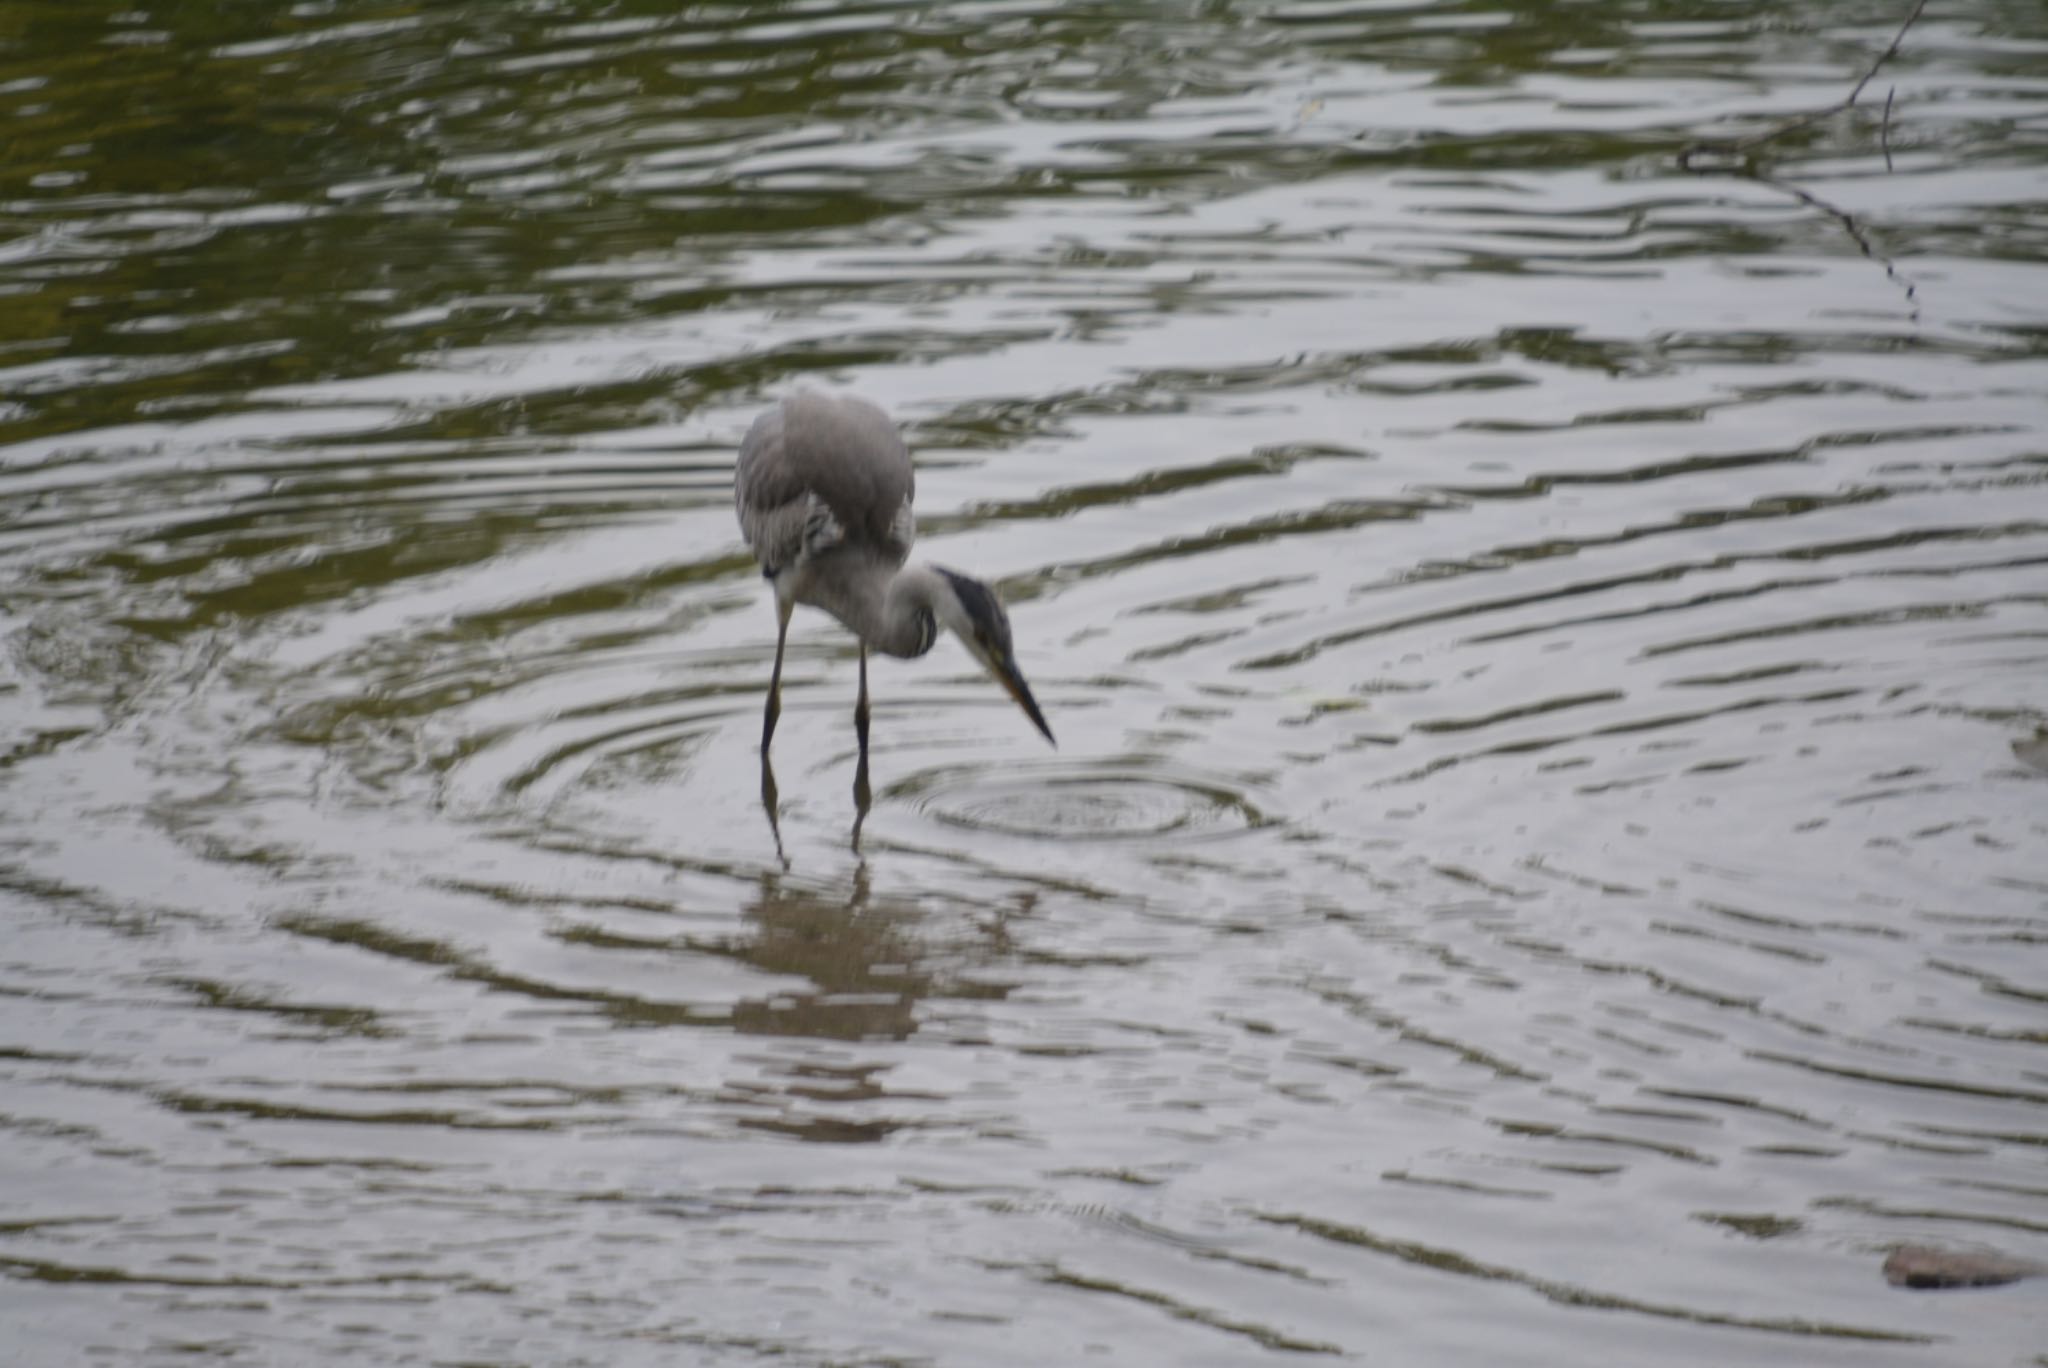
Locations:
column 823, row 489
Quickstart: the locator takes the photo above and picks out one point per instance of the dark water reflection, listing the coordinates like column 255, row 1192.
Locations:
column 1544, row 856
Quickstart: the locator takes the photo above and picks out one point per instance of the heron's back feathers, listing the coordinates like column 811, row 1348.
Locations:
column 817, row 473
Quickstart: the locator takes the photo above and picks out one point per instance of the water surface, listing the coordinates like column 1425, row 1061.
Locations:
column 1544, row 859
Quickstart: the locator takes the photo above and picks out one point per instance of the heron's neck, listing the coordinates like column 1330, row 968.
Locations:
column 890, row 608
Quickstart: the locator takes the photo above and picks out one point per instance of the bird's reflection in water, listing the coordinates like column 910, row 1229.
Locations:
column 863, row 797
column 858, row 961
column 868, row 962
column 771, row 803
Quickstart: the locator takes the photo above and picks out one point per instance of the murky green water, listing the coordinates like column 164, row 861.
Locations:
column 1545, row 860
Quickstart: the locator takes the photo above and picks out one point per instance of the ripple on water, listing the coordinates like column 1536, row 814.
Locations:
column 1109, row 801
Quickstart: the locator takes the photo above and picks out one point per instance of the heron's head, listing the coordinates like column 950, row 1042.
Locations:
column 971, row 611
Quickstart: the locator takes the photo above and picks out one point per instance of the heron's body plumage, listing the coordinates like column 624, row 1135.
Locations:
column 818, row 473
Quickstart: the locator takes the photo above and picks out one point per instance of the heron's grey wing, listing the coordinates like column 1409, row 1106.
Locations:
column 815, row 473
column 774, row 505
column 848, row 454
column 903, row 528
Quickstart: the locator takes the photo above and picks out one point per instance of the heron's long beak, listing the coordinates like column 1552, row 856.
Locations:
column 1011, row 678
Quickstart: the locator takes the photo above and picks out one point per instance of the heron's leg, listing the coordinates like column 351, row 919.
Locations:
column 860, row 707
column 782, row 612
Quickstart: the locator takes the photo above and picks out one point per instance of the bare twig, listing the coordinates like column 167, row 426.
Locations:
column 1884, row 130
column 1853, row 229
column 1891, row 50
column 1735, row 147
column 1728, row 156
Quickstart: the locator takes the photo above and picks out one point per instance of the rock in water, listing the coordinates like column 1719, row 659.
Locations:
column 1925, row 1266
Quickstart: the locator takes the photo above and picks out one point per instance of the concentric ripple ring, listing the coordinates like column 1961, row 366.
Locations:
column 1106, row 802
